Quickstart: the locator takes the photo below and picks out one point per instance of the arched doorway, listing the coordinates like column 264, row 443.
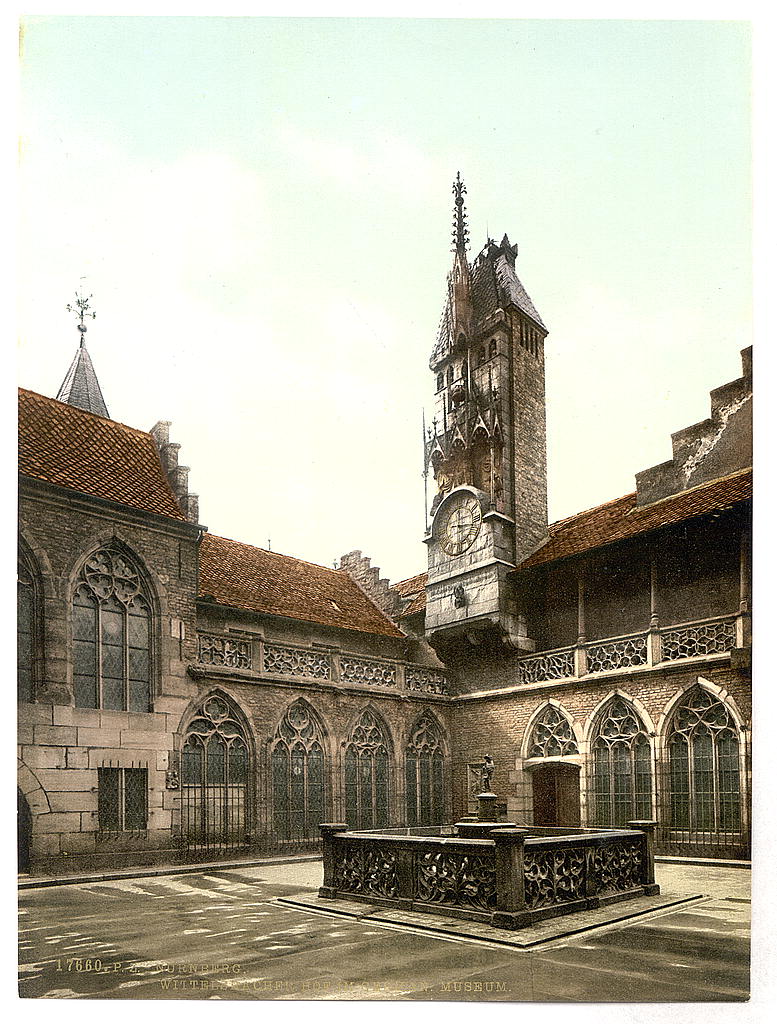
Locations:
column 556, row 794
column 23, row 832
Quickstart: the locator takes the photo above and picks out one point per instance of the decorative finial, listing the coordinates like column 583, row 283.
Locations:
column 460, row 231
column 81, row 309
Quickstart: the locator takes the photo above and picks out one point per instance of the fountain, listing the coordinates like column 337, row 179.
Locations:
column 489, row 871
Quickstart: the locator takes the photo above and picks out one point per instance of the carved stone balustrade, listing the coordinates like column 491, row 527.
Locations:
column 228, row 651
column 656, row 646
column 511, row 879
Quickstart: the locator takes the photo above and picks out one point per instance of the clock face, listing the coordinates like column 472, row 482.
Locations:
column 460, row 525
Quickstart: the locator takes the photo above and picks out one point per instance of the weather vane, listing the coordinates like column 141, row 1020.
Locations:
column 81, row 309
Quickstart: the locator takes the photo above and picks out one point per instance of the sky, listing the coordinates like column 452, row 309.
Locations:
column 261, row 209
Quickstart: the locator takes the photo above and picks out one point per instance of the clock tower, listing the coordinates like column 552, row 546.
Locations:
column 486, row 447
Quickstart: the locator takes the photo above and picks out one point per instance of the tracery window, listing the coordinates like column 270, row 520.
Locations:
column 552, row 735
column 367, row 773
column 25, row 632
column 214, row 778
column 622, row 774
column 704, row 765
column 111, row 635
column 299, row 804
column 425, row 774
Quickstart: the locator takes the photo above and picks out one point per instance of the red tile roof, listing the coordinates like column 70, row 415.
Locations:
column 242, row 576
column 72, row 448
column 412, row 588
column 623, row 518
column 615, row 520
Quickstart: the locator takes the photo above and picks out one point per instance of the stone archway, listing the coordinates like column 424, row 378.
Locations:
column 556, row 794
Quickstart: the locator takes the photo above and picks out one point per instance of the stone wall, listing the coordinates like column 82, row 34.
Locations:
column 498, row 725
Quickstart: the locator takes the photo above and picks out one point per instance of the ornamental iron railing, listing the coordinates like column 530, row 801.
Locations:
column 513, row 878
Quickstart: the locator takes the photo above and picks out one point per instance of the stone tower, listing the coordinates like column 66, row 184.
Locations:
column 486, row 447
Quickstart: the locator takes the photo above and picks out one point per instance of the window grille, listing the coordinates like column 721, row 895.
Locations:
column 552, row 735
column 703, row 751
column 298, row 787
column 367, row 773
column 122, row 804
column 622, row 775
column 215, row 766
column 111, row 635
column 425, row 774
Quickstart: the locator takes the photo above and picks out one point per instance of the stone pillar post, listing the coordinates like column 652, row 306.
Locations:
column 649, row 871
column 654, row 653
column 511, row 911
column 743, row 637
column 328, row 833
column 581, row 660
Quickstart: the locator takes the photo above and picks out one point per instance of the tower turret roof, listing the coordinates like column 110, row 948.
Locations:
column 81, row 387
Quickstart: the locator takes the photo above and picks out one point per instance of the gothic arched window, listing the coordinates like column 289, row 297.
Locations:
column 704, row 765
column 493, row 348
column 425, row 774
column 450, row 374
column 481, row 355
column 214, row 778
column 440, row 381
column 111, row 635
column 367, row 773
column 622, row 775
column 26, row 631
column 552, row 735
column 299, row 804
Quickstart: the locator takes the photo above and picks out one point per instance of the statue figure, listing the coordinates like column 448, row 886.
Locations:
column 486, row 771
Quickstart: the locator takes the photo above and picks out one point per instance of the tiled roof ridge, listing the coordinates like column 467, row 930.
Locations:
column 85, row 412
column 269, row 551
column 409, row 579
column 689, row 490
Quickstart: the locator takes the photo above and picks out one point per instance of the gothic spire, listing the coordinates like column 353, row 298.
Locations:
column 460, row 230
column 80, row 386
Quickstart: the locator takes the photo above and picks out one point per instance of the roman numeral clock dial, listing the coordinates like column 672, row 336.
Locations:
column 460, row 525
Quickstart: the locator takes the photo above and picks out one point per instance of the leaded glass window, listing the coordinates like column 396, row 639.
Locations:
column 367, row 773
column 298, row 781
column 704, row 778
column 25, row 633
column 215, row 777
column 122, row 804
column 425, row 774
column 622, row 773
column 552, row 735
column 111, row 635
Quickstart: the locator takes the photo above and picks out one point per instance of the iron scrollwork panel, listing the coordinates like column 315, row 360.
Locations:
column 366, row 871
column 616, row 867
column 553, row 876
column 456, row 880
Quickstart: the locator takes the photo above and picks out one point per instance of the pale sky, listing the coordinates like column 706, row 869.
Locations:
column 261, row 209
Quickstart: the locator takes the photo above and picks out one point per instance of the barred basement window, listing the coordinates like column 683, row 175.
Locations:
column 425, row 774
column 111, row 635
column 122, row 804
column 704, row 766
column 298, row 775
column 622, row 774
column 25, row 633
column 367, row 773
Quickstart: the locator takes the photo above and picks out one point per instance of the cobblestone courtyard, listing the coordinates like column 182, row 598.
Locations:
column 220, row 934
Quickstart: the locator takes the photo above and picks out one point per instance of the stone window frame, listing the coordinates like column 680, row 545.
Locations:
column 27, row 566
column 149, row 588
column 349, row 745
